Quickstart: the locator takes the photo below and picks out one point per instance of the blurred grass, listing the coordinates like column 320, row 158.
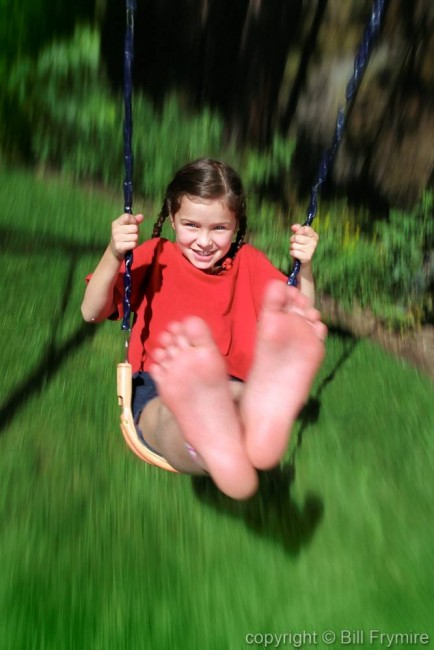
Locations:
column 99, row 551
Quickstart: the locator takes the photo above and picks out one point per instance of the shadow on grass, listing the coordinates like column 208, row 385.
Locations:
column 310, row 413
column 24, row 243
column 272, row 512
column 54, row 354
column 49, row 365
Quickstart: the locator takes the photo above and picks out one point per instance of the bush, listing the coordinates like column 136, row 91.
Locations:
column 165, row 140
column 76, row 124
column 74, row 119
column 388, row 271
column 407, row 250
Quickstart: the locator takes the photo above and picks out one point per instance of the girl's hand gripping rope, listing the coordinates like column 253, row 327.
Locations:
column 125, row 234
column 303, row 243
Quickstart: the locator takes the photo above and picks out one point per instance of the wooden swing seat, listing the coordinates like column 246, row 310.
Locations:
column 129, row 432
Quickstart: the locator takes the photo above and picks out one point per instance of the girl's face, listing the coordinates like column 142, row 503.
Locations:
column 204, row 231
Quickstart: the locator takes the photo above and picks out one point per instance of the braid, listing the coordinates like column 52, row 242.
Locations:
column 227, row 261
column 158, row 225
column 241, row 233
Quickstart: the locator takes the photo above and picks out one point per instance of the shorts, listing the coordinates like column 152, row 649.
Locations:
column 145, row 390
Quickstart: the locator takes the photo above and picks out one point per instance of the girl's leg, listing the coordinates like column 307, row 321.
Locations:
column 161, row 432
column 198, row 409
column 289, row 352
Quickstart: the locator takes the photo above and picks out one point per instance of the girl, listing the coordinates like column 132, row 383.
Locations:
column 223, row 350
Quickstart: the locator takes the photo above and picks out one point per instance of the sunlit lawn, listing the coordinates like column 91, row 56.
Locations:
column 100, row 551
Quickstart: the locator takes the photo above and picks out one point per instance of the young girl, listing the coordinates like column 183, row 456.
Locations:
column 223, row 350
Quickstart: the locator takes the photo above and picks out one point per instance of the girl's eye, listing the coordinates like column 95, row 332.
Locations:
column 190, row 224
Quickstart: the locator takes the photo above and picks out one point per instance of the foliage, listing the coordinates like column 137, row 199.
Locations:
column 167, row 139
column 75, row 124
column 389, row 268
column 388, row 271
column 65, row 97
column 262, row 170
column 26, row 27
column 407, row 249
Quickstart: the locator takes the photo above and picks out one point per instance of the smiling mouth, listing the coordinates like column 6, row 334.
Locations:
column 203, row 254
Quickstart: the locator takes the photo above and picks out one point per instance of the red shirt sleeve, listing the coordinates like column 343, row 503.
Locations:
column 143, row 256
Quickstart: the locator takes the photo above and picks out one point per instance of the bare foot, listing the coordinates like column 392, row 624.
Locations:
column 192, row 382
column 288, row 353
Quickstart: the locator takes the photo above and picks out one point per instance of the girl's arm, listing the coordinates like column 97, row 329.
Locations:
column 98, row 302
column 302, row 247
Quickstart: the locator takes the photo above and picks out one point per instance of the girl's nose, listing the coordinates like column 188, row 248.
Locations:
column 204, row 239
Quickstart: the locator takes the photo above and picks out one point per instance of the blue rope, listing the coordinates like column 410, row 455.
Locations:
column 128, row 153
column 360, row 64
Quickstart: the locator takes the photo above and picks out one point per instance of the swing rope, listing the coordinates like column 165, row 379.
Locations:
column 360, row 63
column 128, row 155
column 124, row 370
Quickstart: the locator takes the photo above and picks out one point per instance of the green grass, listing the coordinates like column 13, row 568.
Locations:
column 100, row 551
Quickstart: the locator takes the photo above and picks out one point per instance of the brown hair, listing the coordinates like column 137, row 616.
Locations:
column 207, row 179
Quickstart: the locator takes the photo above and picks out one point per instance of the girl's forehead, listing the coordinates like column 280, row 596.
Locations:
column 205, row 208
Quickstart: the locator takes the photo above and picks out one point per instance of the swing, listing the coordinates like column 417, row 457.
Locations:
column 124, row 370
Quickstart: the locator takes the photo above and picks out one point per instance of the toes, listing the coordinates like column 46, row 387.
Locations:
column 180, row 337
column 157, row 372
column 279, row 297
column 313, row 314
column 320, row 330
column 175, row 327
column 172, row 340
column 296, row 300
column 179, row 343
column 166, row 339
column 159, row 355
column 275, row 296
column 309, row 313
column 197, row 332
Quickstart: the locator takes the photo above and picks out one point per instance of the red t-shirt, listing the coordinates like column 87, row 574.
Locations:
column 167, row 287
